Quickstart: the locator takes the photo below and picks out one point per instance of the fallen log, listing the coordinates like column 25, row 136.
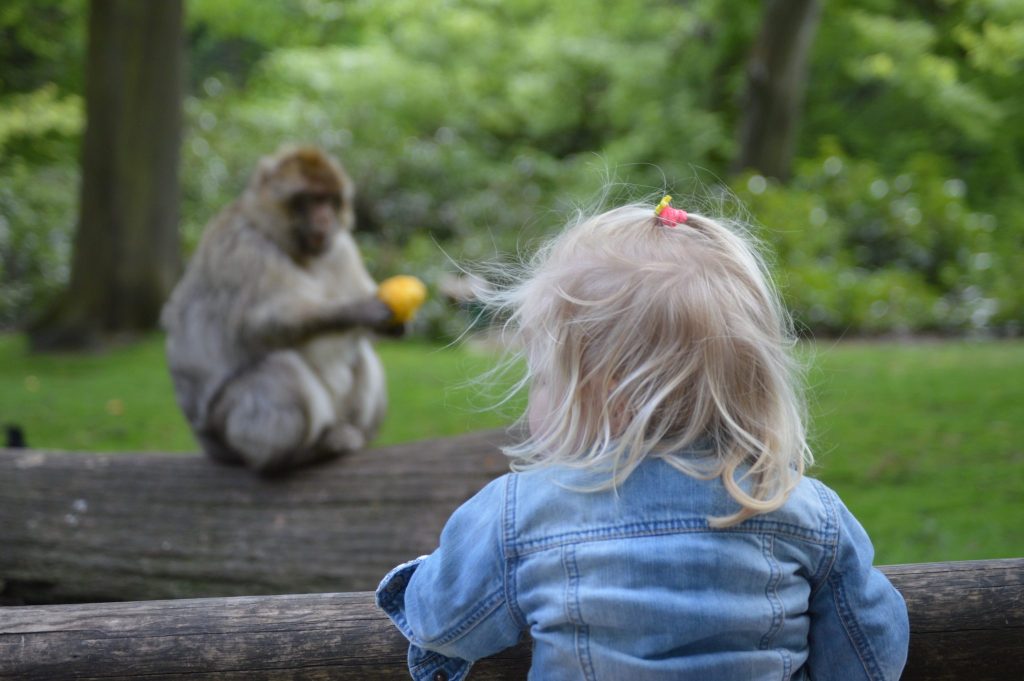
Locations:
column 967, row 622
column 83, row 527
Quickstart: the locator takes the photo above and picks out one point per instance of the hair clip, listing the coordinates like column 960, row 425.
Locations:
column 669, row 216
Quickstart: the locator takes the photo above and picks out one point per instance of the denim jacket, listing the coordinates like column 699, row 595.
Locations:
column 633, row 584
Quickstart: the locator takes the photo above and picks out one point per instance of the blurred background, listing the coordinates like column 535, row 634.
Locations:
column 876, row 146
column 898, row 206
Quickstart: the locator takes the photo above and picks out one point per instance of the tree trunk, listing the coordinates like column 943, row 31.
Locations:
column 76, row 526
column 776, row 78
column 127, row 253
column 966, row 622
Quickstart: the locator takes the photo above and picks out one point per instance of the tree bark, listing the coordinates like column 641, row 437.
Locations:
column 80, row 527
column 776, row 79
column 127, row 253
column 966, row 620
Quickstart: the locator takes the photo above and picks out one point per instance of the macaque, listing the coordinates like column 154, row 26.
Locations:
column 269, row 331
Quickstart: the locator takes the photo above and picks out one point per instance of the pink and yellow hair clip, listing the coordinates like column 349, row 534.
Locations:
column 669, row 216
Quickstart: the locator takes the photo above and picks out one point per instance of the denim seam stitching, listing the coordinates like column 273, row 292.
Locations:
column 574, row 614
column 660, row 526
column 403, row 624
column 510, row 512
column 847, row 618
column 489, row 605
column 853, row 630
column 388, row 605
column 568, row 585
column 438, row 661
column 430, row 661
column 832, row 529
column 607, row 534
column 434, row 661
column 771, row 590
column 787, row 664
column 511, row 563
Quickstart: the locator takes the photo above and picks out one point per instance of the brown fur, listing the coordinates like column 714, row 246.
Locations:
column 267, row 345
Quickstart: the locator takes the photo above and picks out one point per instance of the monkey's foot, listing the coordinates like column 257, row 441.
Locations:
column 341, row 438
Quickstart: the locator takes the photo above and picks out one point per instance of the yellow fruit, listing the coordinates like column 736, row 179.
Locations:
column 403, row 294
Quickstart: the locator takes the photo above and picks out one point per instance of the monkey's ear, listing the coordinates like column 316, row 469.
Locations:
column 265, row 170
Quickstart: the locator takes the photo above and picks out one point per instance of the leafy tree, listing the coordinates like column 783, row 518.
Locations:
column 776, row 79
column 126, row 253
column 40, row 44
column 474, row 125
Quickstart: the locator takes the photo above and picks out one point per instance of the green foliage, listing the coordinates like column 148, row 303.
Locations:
column 942, row 451
column 472, row 126
column 859, row 249
column 37, row 198
column 898, row 79
column 37, row 207
column 40, row 43
column 38, row 126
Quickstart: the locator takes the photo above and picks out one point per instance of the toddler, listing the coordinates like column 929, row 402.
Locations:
column 658, row 524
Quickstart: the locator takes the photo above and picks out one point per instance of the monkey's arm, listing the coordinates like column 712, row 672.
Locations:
column 285, row 323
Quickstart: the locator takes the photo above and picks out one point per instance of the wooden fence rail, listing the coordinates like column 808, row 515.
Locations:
column 967, row 622
column 80, row 527
column 84, row 527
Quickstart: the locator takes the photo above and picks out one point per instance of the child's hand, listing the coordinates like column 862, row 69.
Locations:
column 403, row 294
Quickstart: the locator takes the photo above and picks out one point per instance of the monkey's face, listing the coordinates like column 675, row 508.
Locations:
column 301, row 198
column 316, row 217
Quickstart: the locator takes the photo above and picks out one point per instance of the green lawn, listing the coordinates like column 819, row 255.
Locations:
column 122, row 400
column 925, row 442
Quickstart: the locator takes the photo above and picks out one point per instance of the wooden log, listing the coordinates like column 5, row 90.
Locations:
column 967, row 622
column 315, row 636
column 81, row 527
column 966, row 619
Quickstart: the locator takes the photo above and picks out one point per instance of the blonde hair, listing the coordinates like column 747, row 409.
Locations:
column 671, row 342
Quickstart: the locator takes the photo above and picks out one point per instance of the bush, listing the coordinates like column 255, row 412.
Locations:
column 864, row 251
column 471, row 128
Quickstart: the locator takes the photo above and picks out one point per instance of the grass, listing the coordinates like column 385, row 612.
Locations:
column 924, row 441
column 122, row 400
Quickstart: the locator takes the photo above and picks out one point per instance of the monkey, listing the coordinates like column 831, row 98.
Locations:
column 269, row 331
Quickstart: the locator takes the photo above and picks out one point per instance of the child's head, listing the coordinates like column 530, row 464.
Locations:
column 642, row 339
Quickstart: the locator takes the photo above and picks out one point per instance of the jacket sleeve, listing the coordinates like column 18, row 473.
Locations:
column 452, row 605
column 859, row 626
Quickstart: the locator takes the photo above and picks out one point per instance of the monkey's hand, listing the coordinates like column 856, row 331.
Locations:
column 373, row 313
column 395, row 330
column 288, row 328
column 370, row 312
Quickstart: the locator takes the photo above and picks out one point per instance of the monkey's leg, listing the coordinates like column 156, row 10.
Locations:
column 344, row 433
column 217, row 450
column 369, row 390
column 339, row 439
column 269, row 414
column 188, row 383
column 348, row 369
column 360, row 399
